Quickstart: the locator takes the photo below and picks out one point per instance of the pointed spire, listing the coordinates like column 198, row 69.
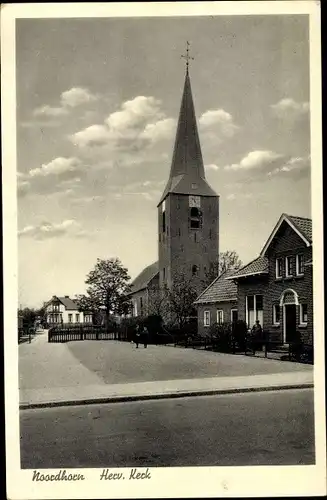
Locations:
column 187, row 155
column 187, row 174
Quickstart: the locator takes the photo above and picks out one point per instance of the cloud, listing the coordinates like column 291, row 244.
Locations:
column 56, row 176
column 50, row 111
column 290, row 109
column 219, row 122
column 69, row 99
column 295, row 165
column 134, row 113
column 212, row 166
column 94, row 135
column 87, row 199
column 59, row 166
column 137, row 125
column 159, row 130
column 48, row 230
column 239, row 196
column 23, row 188
column 77, row 96
column 255, row 160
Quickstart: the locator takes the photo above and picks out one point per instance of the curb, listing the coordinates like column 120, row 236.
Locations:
column 173, row 395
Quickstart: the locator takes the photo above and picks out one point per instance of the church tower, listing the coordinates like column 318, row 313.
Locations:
column 188, row 211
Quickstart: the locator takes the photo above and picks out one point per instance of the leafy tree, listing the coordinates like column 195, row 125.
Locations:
column 28, row 315
column 227, row 260
column 87, row 304
column 108, row 286
column 180, row 298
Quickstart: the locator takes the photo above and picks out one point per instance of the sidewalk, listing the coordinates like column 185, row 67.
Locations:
column 57, row 378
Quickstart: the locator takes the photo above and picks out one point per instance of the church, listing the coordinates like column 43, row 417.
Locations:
column 188, row 215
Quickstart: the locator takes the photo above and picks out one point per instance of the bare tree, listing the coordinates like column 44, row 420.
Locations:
column 180, row 298
column 227, row 260
column 157, row 301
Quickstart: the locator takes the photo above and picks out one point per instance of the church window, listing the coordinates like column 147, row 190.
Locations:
column 195, row 237
column 163, row 222
column 210, row 234
column 141, row 306
column 195, row 270
column 195, row 224
column 179, row 231
column 195, row 217
column 164, row 273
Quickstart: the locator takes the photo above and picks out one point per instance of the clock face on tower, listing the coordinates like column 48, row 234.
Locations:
column 194, row 201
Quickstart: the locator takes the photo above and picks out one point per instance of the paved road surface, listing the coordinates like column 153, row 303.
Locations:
column 267, row 428
column 120, row 362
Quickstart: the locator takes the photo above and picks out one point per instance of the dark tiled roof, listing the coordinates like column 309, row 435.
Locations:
column 142, row 280
column 187, row 175
column 68, row 303
column 219, row 290
column 257, row 266
column 303, row 225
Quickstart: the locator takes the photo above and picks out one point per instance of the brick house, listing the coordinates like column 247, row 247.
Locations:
column 276, row 288
column 217, row 303
column 64, row 310
column 141, row 288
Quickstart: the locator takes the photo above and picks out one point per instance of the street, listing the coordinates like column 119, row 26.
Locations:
column 264, row 428
column 104, row 358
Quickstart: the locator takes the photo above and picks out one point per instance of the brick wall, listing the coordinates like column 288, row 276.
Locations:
column 225, row 306
column 180, row 247
column 286, row 243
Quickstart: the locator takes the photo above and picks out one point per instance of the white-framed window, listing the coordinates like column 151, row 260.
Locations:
column 77, row 318
column 276, row 314
column 135, row 307
column 300, row 264
column 279, row 267
column 70, row 318
column 206, row 318
column 254, row 309
column 289, row 266
column 303, row 314
column 220, row 316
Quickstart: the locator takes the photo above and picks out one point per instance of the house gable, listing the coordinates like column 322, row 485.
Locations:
column 301, row 226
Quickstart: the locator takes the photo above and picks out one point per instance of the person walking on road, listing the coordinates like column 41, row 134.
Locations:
column 145, row 335
column 256, row 334
column 137, row 336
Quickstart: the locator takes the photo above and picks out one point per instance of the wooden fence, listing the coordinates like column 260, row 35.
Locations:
column 267, row 347
column 71, row 333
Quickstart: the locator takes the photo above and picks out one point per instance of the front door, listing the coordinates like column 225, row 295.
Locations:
column 290, row 322
column 234, row 315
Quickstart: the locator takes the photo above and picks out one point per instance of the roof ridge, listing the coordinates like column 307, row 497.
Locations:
column 298, row 217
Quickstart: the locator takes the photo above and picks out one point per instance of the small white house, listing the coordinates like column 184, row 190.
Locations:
column 65, row 310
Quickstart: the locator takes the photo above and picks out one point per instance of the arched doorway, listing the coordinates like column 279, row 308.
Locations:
column 289, row 301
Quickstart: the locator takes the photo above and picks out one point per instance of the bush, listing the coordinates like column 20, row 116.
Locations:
column 239, row 332
column 221, row 335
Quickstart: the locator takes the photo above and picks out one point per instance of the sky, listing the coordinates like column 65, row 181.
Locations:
column 97, row 106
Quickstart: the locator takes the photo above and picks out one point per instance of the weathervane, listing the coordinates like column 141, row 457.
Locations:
column 187, row 56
